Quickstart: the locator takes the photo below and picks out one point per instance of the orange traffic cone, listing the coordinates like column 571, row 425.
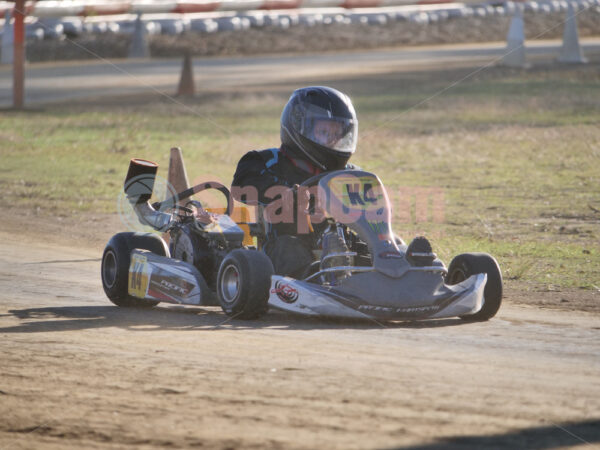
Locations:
column 186, row 81
column 177, row 177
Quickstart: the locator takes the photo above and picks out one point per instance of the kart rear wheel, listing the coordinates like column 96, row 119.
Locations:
column 115, row 266
column 468, row 264
column 243, row 283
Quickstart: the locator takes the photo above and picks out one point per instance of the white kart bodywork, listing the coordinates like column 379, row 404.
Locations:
column 308, row 299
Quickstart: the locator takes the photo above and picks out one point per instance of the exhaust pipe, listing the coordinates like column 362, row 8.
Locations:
column 138, row 187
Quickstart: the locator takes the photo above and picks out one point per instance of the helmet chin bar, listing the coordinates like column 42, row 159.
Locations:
column 300, row 147
column 330, row 153
column 328, row 158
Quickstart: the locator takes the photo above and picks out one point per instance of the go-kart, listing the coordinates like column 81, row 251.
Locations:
column 361, row 270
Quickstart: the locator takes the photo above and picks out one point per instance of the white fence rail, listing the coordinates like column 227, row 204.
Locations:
column 51, row 8
column 38, row 28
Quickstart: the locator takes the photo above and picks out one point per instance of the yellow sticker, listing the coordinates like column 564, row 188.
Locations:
column 138, row 276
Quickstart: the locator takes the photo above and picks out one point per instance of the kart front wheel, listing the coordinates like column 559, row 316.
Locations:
column 468, row 264
column 243, row 283
column 115, row 265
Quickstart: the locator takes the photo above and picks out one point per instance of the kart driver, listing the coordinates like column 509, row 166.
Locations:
column 319, row 131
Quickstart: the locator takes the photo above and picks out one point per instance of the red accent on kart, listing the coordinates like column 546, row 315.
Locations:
column 161, row 296
column 285, row 292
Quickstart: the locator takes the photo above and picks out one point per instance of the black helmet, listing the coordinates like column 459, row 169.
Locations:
column 319, row 124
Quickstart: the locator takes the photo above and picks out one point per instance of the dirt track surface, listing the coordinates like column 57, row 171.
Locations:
column 78, row 372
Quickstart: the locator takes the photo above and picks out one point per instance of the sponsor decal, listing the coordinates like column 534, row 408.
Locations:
column 175, row 288
column 138, row 276
column 392, row 310
column 356, row 197
column 390, row 254
column 378, row 227
column 363, row 193
column 285, row 292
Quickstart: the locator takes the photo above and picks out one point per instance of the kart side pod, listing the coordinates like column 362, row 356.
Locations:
column 158, row 278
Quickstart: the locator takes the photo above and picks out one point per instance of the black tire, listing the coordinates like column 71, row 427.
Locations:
column 115, row 265
column 468, row 264
column 243, row 283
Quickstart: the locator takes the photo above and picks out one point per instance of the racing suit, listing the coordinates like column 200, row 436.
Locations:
column 290, row 252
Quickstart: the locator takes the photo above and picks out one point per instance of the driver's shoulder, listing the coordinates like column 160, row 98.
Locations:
column 266, row 157
column 258, row 155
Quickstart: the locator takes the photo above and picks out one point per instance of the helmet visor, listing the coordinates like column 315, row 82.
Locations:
column 323, row 128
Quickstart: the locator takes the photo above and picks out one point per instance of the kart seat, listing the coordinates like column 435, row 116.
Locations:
column 240, row 215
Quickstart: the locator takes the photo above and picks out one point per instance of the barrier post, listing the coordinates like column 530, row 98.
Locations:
column 19, row 54
column 571, row 52
column 8, row 39
column 515, row 41
column 139, row 44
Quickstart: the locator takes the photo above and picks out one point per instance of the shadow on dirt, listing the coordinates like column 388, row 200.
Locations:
column 537, row 438
column 63, row 261
column 70, row 318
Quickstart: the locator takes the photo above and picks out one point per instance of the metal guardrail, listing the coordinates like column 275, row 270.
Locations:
column 175, row 23
column 86, row 8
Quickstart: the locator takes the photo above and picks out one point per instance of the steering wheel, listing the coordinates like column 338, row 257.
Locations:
column 312, row 181
column 195, row 190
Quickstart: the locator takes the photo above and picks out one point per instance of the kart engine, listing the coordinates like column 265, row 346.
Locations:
column 191, row 244
column 196, row 236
